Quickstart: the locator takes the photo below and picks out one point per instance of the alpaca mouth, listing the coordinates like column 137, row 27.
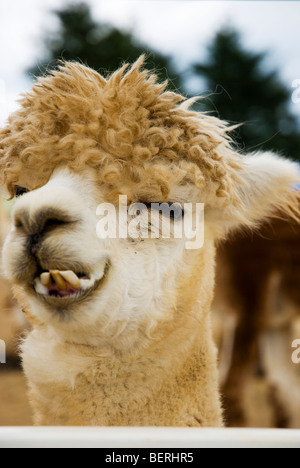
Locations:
column 64, row 287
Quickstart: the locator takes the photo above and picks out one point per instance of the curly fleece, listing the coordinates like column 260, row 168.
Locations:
column 126, row 126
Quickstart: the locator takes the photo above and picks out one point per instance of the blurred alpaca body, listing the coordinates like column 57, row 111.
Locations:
column 260, row 298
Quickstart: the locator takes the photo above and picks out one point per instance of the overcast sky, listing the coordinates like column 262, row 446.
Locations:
column 179, row 28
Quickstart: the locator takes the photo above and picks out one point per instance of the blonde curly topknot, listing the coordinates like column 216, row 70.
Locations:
column 126, row 127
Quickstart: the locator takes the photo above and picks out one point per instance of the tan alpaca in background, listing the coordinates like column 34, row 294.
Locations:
column 121, row 327
column 257, row 315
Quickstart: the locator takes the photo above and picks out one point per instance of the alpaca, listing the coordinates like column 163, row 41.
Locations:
column 258, row 303
column 121, row 327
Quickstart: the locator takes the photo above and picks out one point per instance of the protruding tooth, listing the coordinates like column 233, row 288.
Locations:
column 71, row 278
column 60, row 282
column 46, row 280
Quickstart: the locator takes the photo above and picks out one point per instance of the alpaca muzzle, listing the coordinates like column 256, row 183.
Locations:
column 50, row 262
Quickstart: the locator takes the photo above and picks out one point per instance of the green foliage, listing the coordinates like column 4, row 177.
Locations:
column 98, row 45
column 244, row 92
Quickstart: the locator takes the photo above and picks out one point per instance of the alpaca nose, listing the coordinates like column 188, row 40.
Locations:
column 37, row 223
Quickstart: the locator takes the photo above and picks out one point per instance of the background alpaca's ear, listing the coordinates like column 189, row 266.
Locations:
column 269, row 189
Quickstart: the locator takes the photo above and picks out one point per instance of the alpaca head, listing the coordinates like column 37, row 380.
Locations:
column 80, row 140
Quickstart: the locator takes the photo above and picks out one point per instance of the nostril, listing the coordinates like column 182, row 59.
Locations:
column 36, row 223
column 34, row 239
column 33, row 242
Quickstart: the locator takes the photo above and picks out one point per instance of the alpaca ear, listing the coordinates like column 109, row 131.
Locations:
column 268, row 189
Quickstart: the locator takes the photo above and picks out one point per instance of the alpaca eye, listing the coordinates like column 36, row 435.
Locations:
column 177, row 212
column 19, row 191
column 172, row 210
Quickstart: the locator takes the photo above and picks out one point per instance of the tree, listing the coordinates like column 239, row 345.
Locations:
column 243, row 91
column 98, row 45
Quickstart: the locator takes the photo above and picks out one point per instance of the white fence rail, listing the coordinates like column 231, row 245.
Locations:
column 35, row 437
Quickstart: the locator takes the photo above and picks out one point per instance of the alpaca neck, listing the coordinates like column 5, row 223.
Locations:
column 173, row 382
